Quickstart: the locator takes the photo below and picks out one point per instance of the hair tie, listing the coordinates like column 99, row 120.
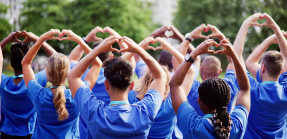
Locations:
column 223, row 107
column 56, row 86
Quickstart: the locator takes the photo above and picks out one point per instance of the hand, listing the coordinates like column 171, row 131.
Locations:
column 215, row 32
column 196, row 33
column 111, row 32
column 50, row 35
column 13, row 37
column 30, row 37
column 132, row 46
column 145, row 43
column 160, row 32
column 70, row 36
column 269, row 21
column 252, row 20
column 164, row 44
column 92, row 36
column 176, row 34
column 106, row 45
column 227, row 48
column 204, row 47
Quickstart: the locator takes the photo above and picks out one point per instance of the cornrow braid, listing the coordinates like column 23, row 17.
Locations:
column 215, row 92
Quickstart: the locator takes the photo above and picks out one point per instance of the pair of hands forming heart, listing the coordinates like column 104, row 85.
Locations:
column 204, row 47
column 252, row 20
column 92, row 36
column 28, row 36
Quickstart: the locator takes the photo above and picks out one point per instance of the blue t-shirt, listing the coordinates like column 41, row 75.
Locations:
column 47, row 125
column 194, row 126
column 267, row 118
column 17, row 111
column 120, row 121
column 141, row 68
column 164, row 121
column 230, row 78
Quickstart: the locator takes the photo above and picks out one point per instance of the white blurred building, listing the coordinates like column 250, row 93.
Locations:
column 163, row 11
column 13, row 12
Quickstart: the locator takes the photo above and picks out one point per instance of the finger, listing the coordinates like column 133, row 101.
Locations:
column 211, row 51
column 115, row 50
column 256, row 24
column 63, row 38
column 220, row 52
column 158, row 48
column 203, row 37
column 123, row 50
column 150, row 47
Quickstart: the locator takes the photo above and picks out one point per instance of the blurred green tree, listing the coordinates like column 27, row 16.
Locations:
column 128, row 17
column 228, row 16
column 5, row 27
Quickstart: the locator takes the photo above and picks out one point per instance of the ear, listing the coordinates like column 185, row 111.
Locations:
column 132, row 85
column 263, row 68
column 282, row 71
column 112, row 56
column 107, row 85
column 219, row 71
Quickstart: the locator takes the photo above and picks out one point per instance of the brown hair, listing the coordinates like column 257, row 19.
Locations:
column 273, row 62
column 57, row 71
column 146, row 81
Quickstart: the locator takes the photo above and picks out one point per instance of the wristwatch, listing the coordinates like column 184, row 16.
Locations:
column 188, row 58
column 188, row 37
column 84, row 39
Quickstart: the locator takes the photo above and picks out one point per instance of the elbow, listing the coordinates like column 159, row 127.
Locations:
column 70, row 77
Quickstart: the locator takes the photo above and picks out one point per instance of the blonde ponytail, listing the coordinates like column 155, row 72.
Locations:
column 59, row 103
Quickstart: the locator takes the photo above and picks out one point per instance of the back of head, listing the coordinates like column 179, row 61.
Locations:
column 18, row 51
column 146, row 81
column 57, row 71
column 118, row 73
column 211, row 66
column 215, row 93
column 165, row 59
column 103, row 56
column 273, row 62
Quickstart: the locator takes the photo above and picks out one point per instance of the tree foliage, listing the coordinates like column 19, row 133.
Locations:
column 228, row 16
column 127, row 17
column 5, row 27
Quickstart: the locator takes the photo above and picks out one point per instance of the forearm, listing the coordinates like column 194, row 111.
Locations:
column 151, row 63
column 76, row 53
column 180, row 73
column 1, row 63
column 240, row 39
column 3, row 43
column 281, row 41
column 48, row 49
column 28, row 58
column 84, row 46
column 183, row 47
column 93, row 74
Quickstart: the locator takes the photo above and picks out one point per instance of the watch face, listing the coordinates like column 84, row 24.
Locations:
column 187, row 35
column 187, row 56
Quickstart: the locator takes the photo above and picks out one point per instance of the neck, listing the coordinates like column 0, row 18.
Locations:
column 119, row 95
column 16, row 73
column 209, row 112
column 268, row 78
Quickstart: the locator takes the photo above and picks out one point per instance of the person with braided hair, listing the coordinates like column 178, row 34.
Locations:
column 57, row 113
column 17, row 111
column 214, row 96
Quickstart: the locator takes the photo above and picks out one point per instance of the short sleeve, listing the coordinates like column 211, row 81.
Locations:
column 239, row 119
column 33, row 89
column 196, row 71
column 132, row 96
column 258, row 77
column 73, row 64
column 140, row 68
column 3, row 77
column 186, row 116
column 152, row 100
column 86, row 102
column 283, row 79
column 41, row 78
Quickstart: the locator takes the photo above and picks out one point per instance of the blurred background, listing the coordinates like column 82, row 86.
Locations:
column 136, row 19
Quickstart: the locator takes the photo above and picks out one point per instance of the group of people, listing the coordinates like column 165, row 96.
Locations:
column 102, row 101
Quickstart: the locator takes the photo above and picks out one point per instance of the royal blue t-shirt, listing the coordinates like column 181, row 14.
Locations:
column 230, row 78
column 194, row 126
column 267, row 118
column 120, row 121
column 18, row 115
column 47, row 125
column 164, row 121
column 141, row 68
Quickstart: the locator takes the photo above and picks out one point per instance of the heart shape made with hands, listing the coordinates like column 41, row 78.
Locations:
column 19, row 35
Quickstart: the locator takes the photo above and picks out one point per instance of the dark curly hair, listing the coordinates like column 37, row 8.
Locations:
column 118, row 73
column 18, row 51
column 215, row 92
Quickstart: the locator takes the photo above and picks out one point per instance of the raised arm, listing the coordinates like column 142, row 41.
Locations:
column 279, row 35
column 178, row 94
column 242, row 79
column 78, row 51
column 156, row 70
column 27, row 60
column 74, row 76
column 11, row 38
column 1, row 63
column 252, row 62
column 241, row 36
column 31, row 37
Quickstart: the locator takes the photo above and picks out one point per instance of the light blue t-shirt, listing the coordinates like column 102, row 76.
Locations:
column 194, row 126
column 141, row 68
column 18, row 115
column 267, row 118
column 164, row 121
column 229, row 77
column 120, row 121
column 47, row 125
